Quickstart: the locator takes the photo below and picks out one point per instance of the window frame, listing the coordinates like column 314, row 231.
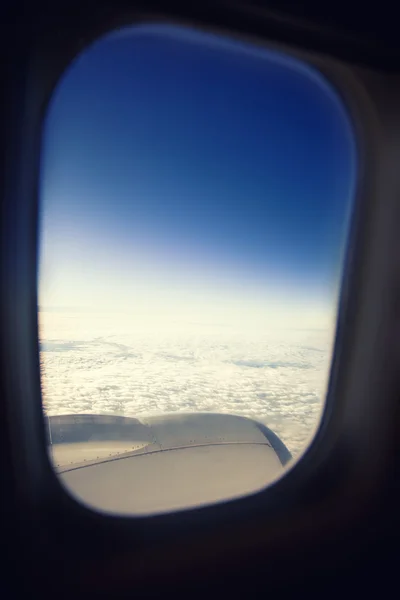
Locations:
column 336, row 478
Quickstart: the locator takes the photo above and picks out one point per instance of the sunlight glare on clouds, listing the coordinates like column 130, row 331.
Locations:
column 101, row 364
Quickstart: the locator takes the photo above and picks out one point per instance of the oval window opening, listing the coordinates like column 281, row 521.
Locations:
column 195, row 200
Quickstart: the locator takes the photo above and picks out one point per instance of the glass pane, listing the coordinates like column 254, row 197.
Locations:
column 195, row 199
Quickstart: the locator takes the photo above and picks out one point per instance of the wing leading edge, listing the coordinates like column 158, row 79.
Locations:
column 158, row 464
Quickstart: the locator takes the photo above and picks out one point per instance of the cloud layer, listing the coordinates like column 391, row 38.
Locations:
column 95, row 364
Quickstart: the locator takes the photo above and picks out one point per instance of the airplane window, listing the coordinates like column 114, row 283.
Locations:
column 195, row 198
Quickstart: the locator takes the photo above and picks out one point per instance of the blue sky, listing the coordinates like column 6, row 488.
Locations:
column 185, row 173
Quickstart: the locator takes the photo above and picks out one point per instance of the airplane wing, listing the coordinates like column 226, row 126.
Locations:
column 158, row 464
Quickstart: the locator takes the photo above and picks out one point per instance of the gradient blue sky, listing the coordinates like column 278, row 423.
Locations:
column 185, row 173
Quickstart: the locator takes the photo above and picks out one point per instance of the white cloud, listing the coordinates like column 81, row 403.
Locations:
column 100, row 364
